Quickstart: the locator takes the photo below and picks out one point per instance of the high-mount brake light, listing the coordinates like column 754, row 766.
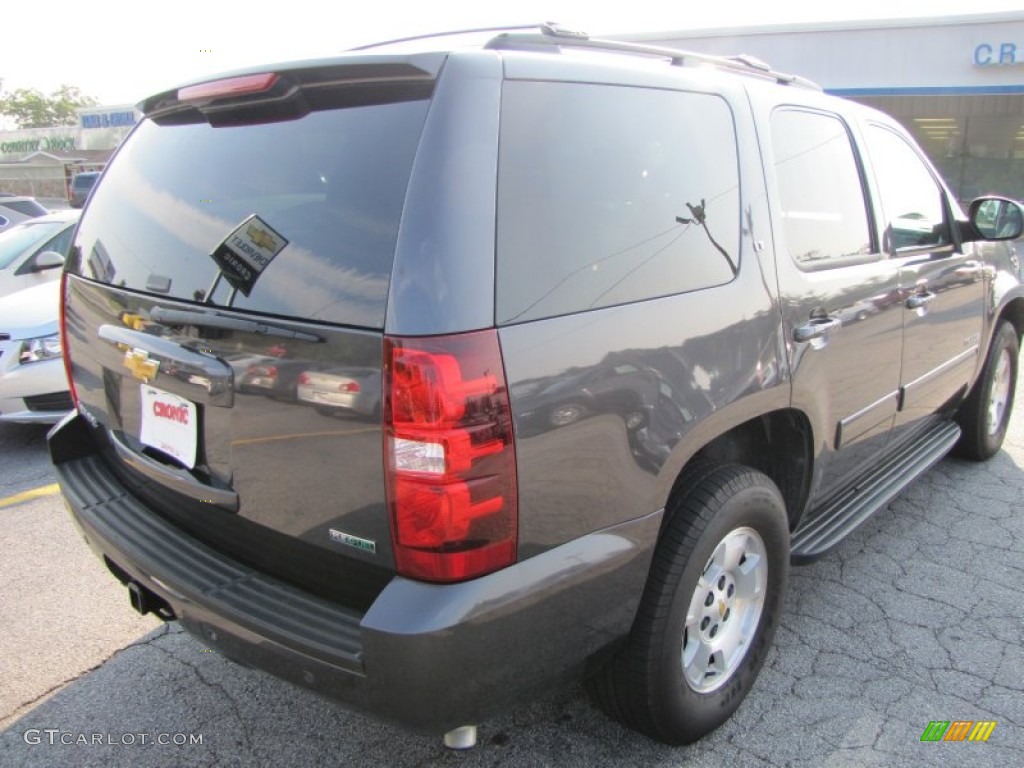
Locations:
column 63, row 326
column 232, row 86
column 450, row 456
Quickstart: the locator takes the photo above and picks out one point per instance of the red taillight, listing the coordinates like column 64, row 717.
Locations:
column 65, row 352
column 349, row 386
column 232, row 86
column 450, row 456
column 304, row 378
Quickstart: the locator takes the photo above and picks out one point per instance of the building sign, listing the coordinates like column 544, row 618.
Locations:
column 119, row 119
column 45, row 144
column 998, row 54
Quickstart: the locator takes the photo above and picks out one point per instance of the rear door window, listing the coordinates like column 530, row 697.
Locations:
column 610, row 194
column 823, row 206
column 313, row 204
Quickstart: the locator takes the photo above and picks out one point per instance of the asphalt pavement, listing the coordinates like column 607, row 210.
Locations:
column 918, row 617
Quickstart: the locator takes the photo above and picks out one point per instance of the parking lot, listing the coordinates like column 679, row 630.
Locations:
column 916, row 618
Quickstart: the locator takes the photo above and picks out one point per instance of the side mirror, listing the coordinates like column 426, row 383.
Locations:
column 47, row 260
column 997, row 218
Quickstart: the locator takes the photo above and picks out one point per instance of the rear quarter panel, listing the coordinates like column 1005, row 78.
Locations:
column 705, row 361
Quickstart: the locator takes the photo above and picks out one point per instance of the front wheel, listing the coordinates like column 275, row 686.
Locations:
column 565, row 414
column 985, row 415
column 709, row 609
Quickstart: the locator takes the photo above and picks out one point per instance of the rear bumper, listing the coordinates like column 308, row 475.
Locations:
column 429, row 657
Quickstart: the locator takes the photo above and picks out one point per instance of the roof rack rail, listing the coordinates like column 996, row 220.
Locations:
column 450, row 33
column 552, row 35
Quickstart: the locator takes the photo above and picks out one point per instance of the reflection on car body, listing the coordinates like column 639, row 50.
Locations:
column 273, row 377
column 341, row 390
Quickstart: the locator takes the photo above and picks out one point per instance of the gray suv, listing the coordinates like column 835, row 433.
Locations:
column 645, row 332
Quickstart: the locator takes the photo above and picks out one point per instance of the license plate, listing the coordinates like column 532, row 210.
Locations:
column 169, row 424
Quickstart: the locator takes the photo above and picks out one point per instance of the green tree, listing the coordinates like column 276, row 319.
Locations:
column 30, row 108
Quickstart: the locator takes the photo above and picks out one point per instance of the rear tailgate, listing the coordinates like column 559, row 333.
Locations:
column 232, row 248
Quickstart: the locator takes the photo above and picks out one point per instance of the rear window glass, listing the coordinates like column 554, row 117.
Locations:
column 297, row 218
column 25, row 207
column 84, row 180
column 610, row 194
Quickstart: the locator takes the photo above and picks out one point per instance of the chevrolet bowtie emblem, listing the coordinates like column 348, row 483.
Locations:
column 261, row 238
column 137, row 361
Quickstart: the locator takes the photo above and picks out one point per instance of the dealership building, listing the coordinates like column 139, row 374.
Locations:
column 957, row 83
column 42, row 161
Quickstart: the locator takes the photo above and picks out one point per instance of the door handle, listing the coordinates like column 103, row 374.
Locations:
column 919, row 300
column 816, row 328
column 970, row 269
column 179, row 479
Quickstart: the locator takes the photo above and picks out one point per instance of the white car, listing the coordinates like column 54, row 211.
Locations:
column 33, row 385
column 15, row 209
column 33, row 252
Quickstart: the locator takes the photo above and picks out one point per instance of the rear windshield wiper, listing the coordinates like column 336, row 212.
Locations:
column 213, row 320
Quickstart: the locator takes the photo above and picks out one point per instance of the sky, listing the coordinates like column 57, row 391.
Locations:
column 121, row 51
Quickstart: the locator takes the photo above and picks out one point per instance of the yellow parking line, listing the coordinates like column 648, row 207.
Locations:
column 300, row 436
column 34, row 493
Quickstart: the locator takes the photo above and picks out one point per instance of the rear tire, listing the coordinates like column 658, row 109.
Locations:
column 985, row 415
column 709, row 609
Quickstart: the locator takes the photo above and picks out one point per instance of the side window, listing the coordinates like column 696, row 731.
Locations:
column 611, row 194
column 60, row 243
column 824, row 215
column 911, row 198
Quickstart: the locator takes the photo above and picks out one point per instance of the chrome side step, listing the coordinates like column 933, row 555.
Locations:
column 844, row 515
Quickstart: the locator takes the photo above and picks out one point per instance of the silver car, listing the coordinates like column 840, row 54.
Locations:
column 33, row 251
column 337, row 391
column 33, row 384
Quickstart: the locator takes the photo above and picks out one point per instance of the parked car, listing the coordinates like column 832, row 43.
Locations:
column 15, row 209
column 273, row 377
column 338, row 391
column 499, row 233
column 33, row 384
column 33, row 252
column 240, row 362
column 81, row 188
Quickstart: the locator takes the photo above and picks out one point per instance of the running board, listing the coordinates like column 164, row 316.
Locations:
column 847, row 513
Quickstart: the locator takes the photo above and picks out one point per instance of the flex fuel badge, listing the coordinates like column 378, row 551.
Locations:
column 247, row 251
column 353, row 541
